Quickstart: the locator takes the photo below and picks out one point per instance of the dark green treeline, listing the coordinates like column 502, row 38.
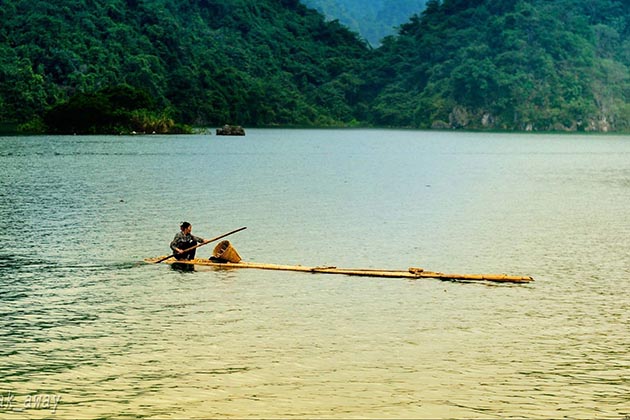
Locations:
column 505, row 64
column 250, row 62
column 474, row 64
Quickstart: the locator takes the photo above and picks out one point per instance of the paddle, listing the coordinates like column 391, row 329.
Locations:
column 201, row 244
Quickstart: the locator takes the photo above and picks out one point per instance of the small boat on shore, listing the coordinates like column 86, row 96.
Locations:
column 410, row 273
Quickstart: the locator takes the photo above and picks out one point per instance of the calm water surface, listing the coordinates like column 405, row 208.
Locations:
column 83, row 320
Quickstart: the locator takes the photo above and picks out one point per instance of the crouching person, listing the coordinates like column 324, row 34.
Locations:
column 184, row 240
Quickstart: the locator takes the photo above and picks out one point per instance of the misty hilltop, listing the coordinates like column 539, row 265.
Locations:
column 373, row 20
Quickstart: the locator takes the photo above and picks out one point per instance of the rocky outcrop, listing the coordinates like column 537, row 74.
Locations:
column 231, row 130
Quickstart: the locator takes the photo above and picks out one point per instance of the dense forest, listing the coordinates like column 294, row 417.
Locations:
column 471, row 64
column 373, row 20
column 505, row 64
column 203, row 62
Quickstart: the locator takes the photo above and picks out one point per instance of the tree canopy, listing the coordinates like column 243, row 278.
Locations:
column 472, row 64
column 204, row 62
column 516, row 65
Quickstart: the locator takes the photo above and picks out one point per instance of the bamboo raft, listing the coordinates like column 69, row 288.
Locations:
column 411, row 273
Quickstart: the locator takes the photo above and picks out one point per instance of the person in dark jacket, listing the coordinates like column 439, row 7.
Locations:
column 184, row 240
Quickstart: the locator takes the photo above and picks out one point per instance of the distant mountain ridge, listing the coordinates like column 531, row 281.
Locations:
column 372, row 19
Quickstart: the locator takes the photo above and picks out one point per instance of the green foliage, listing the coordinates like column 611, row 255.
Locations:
column 139, row 65
column 497, row 64
column 205, row 62
column 22, row 92
column 115, row 110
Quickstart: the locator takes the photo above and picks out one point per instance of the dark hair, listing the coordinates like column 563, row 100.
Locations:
column 184, row 225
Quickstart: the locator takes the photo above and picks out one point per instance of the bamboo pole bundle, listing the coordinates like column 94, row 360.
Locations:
column 411, row 273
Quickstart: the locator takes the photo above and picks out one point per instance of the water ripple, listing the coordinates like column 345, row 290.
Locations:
column 82, row 317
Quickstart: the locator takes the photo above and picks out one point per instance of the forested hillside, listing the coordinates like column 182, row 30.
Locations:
column 250, row 62
column 505, row 64
column 471, row 64
column 372, row 19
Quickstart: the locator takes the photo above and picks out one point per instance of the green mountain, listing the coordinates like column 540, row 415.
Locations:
column 248, row 62
column 505, row 64
column 99, row 65
column 372, row 19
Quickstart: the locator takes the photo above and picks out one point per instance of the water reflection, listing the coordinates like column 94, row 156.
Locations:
column 182, row 267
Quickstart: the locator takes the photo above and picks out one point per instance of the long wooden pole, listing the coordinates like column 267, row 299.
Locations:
column 201, row 244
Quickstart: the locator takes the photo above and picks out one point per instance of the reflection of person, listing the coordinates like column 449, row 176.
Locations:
column 184, row 240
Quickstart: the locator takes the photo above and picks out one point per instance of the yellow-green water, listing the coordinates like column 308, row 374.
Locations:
column 87, row 330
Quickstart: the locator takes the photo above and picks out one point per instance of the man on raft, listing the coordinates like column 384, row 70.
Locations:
column 184, row 240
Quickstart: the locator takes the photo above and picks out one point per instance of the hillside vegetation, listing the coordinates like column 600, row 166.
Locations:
column 205, row 62
column 472, row 64
column 505, row 64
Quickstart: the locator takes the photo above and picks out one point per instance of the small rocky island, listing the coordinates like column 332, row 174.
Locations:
column 230, row 130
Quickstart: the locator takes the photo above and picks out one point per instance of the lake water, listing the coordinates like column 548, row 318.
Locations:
column 87, row 325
